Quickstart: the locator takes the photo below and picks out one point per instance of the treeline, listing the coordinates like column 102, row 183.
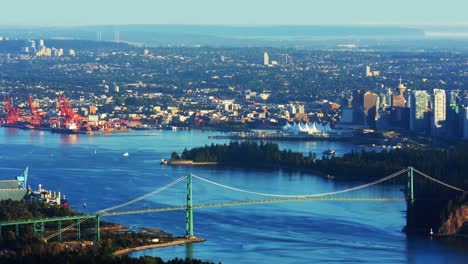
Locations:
column 250, row 154
column 80, row 257
column 25, row 210
column 27, row 248
column 449, row 165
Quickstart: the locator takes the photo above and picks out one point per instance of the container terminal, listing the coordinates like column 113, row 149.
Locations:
column 67, row 122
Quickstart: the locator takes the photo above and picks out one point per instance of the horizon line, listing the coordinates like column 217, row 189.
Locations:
column 364, row 24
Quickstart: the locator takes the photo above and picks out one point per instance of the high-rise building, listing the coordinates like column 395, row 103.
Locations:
column 389, row 96
column 399, row 100
column 358, row 99
column 419, row 110
column 383, row 100
column 368, row 71
column 465, row 122
column 439, row 115
column 371, row 108
column 266, row 59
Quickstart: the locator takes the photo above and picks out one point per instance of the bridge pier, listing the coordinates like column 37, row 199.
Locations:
column 78, row 230
column 38, row 228
column 189, row 210
column 98, row 228
column 59, row 231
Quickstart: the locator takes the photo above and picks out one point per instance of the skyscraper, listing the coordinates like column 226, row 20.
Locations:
column 371, row 108
column 266, row 59
column 439, row 110
column 389, row 96
column 465, row 122
column 419, row 110
column 399, row 100
column 358, row 99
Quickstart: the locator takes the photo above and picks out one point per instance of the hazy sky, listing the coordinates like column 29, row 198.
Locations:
column 232, row 12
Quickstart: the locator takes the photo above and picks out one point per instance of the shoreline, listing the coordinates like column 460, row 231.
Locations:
column 176, row 242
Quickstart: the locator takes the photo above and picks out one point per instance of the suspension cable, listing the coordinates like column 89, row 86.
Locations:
column 143, row 197
column 439, row 182
column 305, row 195
column 119, row 206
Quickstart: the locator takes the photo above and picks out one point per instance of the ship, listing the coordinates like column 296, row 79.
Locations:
column 329, row 152
column 17, row 190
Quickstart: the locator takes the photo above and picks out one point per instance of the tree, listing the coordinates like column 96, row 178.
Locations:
column 175, row 156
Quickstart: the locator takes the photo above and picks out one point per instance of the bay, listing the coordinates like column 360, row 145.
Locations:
column 92, row 170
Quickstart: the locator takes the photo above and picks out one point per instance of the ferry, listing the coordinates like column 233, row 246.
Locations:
column 329, row 152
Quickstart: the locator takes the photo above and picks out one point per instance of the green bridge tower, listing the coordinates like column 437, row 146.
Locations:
column 410, row 218
column 189, row 210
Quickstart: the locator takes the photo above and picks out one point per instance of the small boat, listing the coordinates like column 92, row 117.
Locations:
column 163, row 162
column 328, row 176
column 329, row 152
column 125, row 154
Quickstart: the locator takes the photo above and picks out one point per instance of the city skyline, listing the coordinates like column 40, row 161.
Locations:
column 242, row 12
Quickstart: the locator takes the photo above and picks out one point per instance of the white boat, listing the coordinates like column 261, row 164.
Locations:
column 125, row 154
column 329, row 152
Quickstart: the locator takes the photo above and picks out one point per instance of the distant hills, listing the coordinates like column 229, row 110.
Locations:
column 238, row 36
column 196, row 32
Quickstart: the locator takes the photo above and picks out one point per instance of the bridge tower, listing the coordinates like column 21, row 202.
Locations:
column 189, row 210
column 410, row 186
column 410, row 207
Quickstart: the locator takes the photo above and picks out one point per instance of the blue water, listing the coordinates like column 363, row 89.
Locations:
column 302, row 232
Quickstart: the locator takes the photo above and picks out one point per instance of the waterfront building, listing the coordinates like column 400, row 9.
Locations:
column 419, row 110
column 347, row 115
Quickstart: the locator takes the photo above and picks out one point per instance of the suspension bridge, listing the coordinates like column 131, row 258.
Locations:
column 408, row 185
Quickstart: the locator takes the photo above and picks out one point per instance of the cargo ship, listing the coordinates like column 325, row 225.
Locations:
column 17, row 190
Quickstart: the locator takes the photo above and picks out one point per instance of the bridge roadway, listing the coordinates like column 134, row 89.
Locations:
column 302, row 199
column 184, row 207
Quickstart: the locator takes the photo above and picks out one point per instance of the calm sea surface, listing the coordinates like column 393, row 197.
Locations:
column 303, row 232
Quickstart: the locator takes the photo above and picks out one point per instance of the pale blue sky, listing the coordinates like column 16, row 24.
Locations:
column 232, row 12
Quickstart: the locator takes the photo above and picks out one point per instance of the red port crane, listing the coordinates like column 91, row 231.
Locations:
column 12, row 114
column 68, row 117
column 36, row 116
